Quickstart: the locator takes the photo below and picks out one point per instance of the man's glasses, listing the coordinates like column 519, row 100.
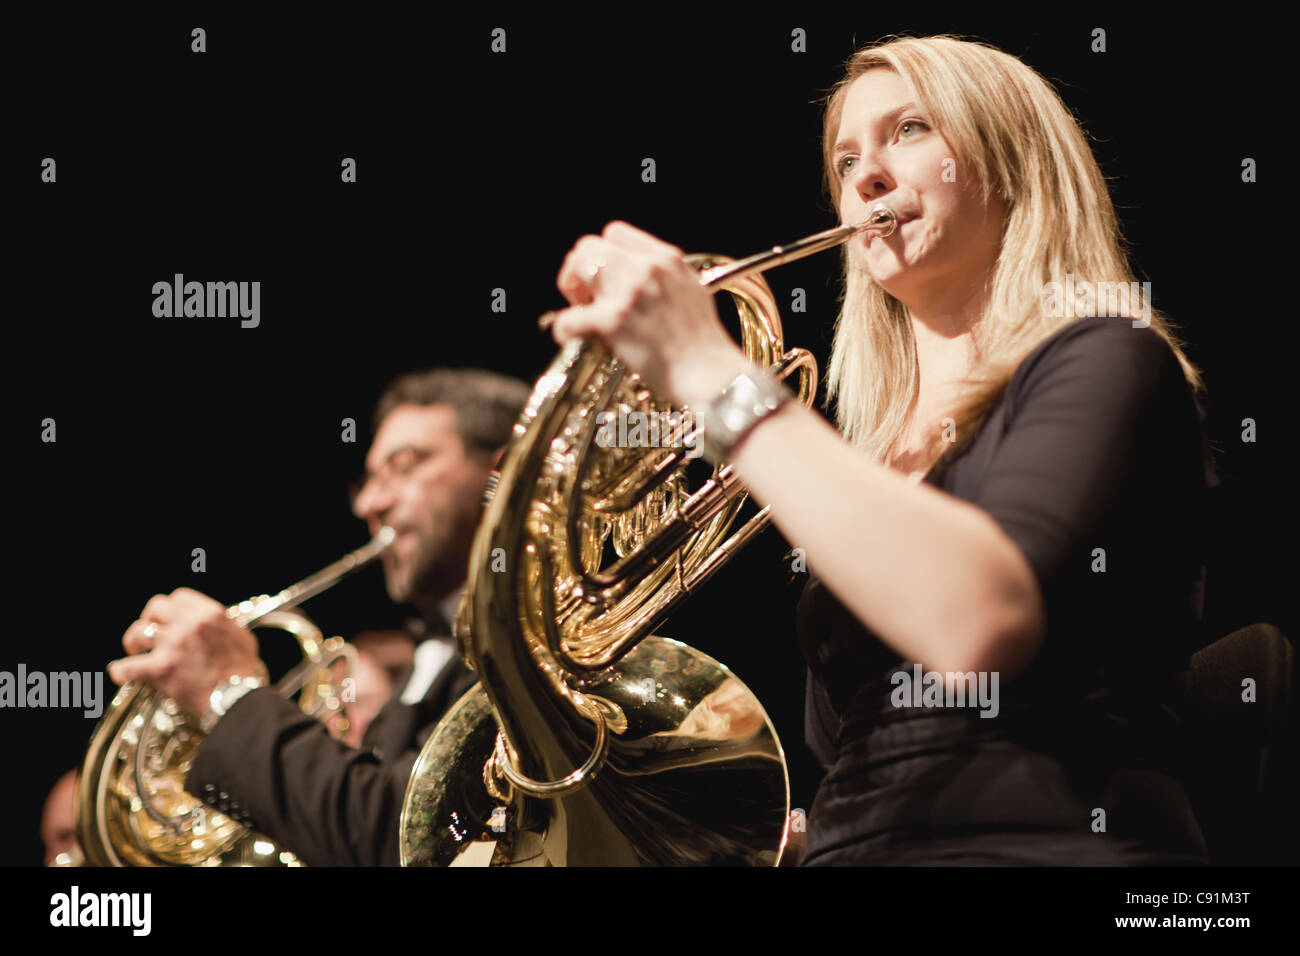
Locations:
column 399, row 464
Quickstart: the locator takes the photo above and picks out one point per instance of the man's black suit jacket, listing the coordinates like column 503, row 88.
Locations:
column 270, row 766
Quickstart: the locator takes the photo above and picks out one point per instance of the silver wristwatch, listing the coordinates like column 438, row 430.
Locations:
column 224, row 696
column 751, row 397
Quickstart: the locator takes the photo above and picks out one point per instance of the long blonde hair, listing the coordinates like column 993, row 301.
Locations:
column 1011, row 132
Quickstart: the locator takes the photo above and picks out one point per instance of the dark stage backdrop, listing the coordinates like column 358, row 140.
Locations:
column 476, row 171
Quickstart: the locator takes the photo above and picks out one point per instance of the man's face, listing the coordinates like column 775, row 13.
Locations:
column 425, row 486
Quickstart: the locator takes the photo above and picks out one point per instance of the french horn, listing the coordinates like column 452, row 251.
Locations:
column 588, row 741
column 131, row 805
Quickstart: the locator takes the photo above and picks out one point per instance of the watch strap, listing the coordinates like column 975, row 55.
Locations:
column 223, row 697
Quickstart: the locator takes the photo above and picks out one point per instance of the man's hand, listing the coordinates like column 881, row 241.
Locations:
column 185, row 645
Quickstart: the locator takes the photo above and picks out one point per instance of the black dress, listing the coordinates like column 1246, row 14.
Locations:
column 1095, row 453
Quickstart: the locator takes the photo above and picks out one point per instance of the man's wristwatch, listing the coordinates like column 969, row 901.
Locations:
column 751, row 397
column 223, row 697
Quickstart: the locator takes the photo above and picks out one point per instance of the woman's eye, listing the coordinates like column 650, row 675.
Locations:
column 907, row 127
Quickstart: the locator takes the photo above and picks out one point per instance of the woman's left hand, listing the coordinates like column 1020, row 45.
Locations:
column 639, row 295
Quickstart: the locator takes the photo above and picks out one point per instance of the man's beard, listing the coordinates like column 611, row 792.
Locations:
column 429, row 576
column 399, row 589
column 404, row 582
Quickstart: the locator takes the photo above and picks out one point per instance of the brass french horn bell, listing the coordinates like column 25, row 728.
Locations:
column 588, row 741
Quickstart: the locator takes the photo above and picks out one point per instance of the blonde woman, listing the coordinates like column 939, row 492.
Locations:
column 1010, row 505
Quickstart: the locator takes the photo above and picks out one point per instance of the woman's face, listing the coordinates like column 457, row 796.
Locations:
column 887, row 151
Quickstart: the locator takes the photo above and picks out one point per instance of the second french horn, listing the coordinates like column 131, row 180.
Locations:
column 132, row 808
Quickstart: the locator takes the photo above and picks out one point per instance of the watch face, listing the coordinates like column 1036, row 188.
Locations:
column 733, row 419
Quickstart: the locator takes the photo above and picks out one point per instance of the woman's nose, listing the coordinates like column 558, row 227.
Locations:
column 869, row 179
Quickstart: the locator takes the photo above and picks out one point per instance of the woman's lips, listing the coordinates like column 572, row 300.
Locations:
column 872, row 235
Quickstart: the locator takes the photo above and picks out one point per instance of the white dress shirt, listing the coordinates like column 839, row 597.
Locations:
column 433, row 654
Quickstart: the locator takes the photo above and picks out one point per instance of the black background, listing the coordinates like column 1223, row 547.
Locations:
column 477, row 171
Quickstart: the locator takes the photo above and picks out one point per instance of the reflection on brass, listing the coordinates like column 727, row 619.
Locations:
column 589, row 741
column 132, row 808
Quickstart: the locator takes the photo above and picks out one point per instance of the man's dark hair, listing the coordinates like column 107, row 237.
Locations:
column 486, row 404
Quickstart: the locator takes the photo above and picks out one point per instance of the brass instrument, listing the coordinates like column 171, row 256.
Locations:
column 131, row 805
column 588, row 742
